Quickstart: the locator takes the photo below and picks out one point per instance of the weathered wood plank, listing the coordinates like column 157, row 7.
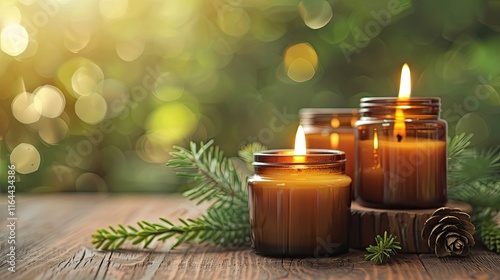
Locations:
column 480, row 264
column 54, row 243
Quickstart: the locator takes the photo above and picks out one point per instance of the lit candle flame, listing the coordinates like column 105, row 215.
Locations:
column 375, row 141
column 404, row 93
column 300, row 142
column 405, row 84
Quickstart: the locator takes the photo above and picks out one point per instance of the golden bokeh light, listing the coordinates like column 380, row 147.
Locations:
column 90, row 182
column 130, row 50
column 86, row 78
column 301, row 70
column 150, row 150
column 113, row 9
column 52, row 131
column 26, row 158
column 91, row 108
column 315, row 14
column 171, row 123
column 51, row 100
column 76, row 40
column 169, row 88
column 4, row 124
column 301, row 62
column 116, row 95
column 14, row 39
column 9, row 14
column 26, row 108
column 233, row 21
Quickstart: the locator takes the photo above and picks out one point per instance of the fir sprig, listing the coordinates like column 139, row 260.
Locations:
column 383, row 250
column 246, row 153
column 226, row 221
column 458, row 144
column 216, row 177
column 473, row 177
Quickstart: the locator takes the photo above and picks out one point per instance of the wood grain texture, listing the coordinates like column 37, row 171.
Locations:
column 54, row 242
column 406, row 224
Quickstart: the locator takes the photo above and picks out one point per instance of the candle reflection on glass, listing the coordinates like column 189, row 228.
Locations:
column 332, row 128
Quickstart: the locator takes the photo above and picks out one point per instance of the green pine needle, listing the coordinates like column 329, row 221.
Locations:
column 226, row 222
column 384, row 249
column 478, row 194
column 246, row 153
column 489, row 232
column 474, row 177
column 458, row 144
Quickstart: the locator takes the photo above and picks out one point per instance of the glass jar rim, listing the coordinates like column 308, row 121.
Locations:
column 287, row 157
column 367, row 101
column 327, row 111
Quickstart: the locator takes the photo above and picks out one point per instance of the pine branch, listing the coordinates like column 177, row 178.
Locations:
column 457, row 154
column 473, row 177
column 458, row 144
column 227, row 220
column 384, row 249
column 479, row 194
column 221, row 228
column 215, row 175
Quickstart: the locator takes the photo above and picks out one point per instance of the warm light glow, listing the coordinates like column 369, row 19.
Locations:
column 14, row 39
column 335, row 122
column 405, row 84
column 404, row 93
column 301, row 62
column 334, row 140
column 300, row 142
column 376, row 162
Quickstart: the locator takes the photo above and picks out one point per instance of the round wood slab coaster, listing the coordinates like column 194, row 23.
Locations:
column 406, row 224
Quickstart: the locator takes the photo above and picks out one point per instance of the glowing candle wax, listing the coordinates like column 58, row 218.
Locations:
column 401, row 159
column 300, row 202
column 332, row 128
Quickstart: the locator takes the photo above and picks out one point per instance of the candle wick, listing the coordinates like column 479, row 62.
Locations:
column 399, row 137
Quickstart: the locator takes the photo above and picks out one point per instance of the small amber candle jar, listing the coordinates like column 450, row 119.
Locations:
column 332, row 128
column 299, row 205
column 401, row 153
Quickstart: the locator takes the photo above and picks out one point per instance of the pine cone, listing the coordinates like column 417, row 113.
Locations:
column 449, row 231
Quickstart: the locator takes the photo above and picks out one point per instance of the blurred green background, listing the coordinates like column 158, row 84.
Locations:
column 94, row 93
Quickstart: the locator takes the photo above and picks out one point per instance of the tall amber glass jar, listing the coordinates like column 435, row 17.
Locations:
column 401, row 153
column 299, row 205
column 332, row 128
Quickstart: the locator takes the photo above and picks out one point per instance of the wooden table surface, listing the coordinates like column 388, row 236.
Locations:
column 53, row 242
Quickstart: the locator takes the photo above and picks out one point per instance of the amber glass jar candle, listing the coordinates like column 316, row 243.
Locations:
column 401, row 153
column 299, row 205
column 332, row 128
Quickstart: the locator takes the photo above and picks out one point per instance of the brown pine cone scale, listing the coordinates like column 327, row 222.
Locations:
column 449, row 232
